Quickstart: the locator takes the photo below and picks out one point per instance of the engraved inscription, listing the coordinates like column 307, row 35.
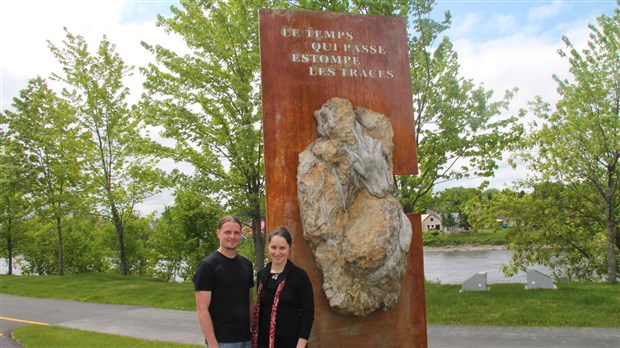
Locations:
column 334, row 53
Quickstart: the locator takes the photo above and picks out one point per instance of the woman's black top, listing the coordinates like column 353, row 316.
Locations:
column 295, row 311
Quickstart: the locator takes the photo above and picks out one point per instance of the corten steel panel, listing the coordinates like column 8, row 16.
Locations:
column 291, row 94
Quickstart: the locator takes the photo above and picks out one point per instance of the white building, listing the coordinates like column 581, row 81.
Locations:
column 431, row 221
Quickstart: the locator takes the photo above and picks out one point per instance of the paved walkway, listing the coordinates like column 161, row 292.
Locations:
column 182, row 326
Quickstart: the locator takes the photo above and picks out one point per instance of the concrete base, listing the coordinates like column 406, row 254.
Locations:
column 477, row 282
column 538, row 280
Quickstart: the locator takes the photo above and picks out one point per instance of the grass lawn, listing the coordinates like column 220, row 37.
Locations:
column 572, row 304
column 436, row 238
column 53, row 336
column 103, row 288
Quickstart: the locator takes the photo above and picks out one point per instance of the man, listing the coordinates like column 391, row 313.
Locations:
column 223, row 283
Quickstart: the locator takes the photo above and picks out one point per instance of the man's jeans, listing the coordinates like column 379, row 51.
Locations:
column 246, row 344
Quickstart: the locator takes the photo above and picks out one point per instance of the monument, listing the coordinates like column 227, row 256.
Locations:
column 338, row 125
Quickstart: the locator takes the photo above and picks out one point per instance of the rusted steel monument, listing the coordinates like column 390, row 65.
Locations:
column 307, row 59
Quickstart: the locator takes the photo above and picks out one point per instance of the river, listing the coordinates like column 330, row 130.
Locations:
column 454, row 267
column 448, row 267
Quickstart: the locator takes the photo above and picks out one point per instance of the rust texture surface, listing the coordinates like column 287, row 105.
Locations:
column 306, row 59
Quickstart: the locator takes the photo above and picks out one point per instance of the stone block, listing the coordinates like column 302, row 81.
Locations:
column 351, row 219
column 477, row 282
column 538, row 280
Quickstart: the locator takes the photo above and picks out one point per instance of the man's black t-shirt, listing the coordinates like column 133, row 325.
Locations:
column 229, row 281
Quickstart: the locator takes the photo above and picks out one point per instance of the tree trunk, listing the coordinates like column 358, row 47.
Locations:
column 61, row 264
column 258, row 237
column 118, row 225
column 10, row 255
column 258, row 225
column 612, row 270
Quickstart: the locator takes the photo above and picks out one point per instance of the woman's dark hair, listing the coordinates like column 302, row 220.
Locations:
column 229, row 218
column 281, row 232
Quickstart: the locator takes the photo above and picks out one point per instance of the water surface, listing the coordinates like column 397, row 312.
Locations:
column 454, row 267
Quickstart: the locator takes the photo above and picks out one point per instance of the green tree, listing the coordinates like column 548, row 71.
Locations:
column 578, row 144
column 84, row 242
column 168, row 242
column 44, row 125
column 449, row 222
column 385, row 8
column 115, row 152
column 39, row 248
column 185, row 232
column 460, row 130
column 85, row 249
column 554, row 228
column 480, row 212
column 15, row 207
column 454, row 200
column 138, row 232
column 488, row 209
column 208, row 102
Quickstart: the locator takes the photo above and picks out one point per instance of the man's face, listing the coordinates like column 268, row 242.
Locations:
column 229, row 235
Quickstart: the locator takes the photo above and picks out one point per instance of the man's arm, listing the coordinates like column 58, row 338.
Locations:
column 203, row 300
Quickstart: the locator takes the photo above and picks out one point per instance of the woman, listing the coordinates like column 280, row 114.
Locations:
column 284, row 310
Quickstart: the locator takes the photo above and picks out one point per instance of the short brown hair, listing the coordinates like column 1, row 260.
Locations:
column 229, row 218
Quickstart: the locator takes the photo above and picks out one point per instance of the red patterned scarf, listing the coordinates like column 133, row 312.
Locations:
column 272, row 321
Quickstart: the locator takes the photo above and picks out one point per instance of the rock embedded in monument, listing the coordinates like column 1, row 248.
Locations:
column 353, row 223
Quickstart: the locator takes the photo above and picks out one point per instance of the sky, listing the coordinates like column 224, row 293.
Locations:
column 501, row 44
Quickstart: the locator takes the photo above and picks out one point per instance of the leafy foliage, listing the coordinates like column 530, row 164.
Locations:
column 551, row 229
column 185, row 233
column 208, row 102
column 578, row 146
column 454, row 200
column 44, row 126
column 460, row 130
column 15, row 205
column 120, row 170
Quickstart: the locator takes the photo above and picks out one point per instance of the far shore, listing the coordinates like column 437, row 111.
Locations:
column 464, row 247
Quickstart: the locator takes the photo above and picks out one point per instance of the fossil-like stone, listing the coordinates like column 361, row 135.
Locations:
column 351, row 220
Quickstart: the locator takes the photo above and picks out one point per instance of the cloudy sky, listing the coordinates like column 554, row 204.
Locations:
column 514, row 43
column 501, row 43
